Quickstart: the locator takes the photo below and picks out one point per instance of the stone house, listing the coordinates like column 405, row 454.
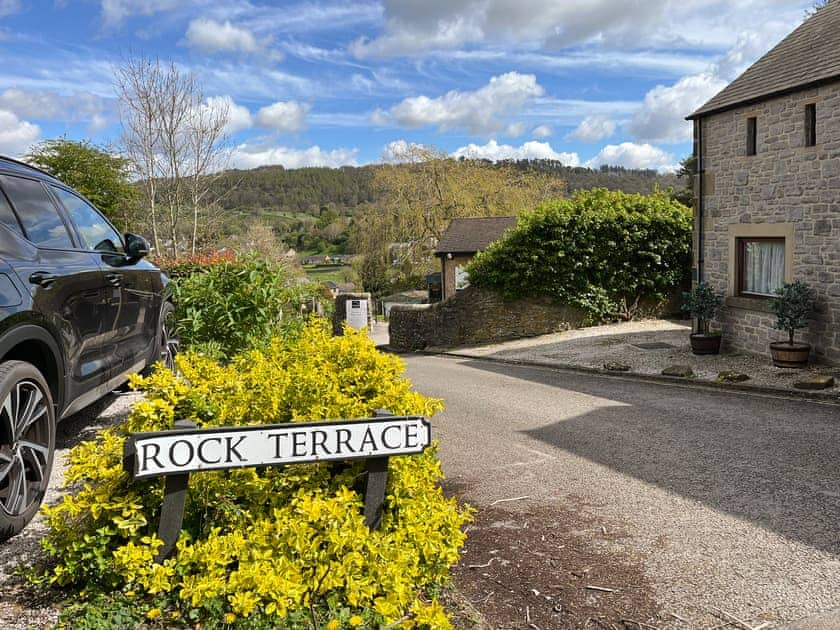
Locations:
column 768, row 188
column 461, row 241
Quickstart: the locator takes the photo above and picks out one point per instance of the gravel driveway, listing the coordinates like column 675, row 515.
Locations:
column 20, row 606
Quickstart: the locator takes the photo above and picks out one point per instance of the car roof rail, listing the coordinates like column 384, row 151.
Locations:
column 6, row 158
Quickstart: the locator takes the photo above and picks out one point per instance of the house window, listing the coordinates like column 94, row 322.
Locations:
column 811, row 125
column 751, row 135
column 761, row 265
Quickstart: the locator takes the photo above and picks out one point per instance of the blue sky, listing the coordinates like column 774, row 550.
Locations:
column 328, row 83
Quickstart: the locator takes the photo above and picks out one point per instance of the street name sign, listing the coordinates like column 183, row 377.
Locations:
column 192, row 450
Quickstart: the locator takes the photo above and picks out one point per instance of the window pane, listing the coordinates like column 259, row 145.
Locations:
column 96, row 232
column 38, row 214
column 7, row 216
column 764, row 266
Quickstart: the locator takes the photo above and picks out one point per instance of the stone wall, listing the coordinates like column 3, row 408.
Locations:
column 787, row 189
column 476, row 316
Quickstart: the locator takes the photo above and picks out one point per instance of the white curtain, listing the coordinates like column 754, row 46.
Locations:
column 764, row 266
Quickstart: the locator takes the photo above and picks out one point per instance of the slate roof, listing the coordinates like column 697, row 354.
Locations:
column 809, row 56
column 471, row 235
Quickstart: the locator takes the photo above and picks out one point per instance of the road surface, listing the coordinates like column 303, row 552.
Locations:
column 729, row 501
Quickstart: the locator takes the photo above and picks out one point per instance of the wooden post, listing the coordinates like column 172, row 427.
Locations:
column 377, row 479
column 172, row 510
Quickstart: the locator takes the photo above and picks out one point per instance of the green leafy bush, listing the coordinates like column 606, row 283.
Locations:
column 273, row 548
column 602, row 251
column 232, row 305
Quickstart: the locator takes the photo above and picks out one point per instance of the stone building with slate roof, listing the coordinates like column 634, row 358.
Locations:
column 768, row 187
column 462, row 240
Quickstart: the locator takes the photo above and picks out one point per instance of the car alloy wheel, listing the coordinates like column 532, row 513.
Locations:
column 27, row 443
column 169, row 345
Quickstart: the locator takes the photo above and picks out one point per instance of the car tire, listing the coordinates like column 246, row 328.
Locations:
column 167, row 340
column 27, row 444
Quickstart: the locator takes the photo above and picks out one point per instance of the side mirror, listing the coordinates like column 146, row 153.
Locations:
column 136, row 247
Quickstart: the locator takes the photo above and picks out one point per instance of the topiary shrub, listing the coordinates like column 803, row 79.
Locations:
column 278, row 547
column 793, row 305
column 233, row 305
column 603, row 251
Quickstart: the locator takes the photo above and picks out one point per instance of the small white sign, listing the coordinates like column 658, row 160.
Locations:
column 191, row 450
column 357, row 314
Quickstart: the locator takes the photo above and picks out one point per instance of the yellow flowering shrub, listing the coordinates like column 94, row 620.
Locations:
column 274, row 541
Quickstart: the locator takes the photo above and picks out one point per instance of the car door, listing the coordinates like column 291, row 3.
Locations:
column 135, row 284
column 67, row 286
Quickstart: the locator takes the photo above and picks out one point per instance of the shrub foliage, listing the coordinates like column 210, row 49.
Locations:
column 265, row 546
column 602, row 251
column 231, row 305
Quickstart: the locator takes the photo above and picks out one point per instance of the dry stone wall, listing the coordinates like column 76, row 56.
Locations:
column 476, row 316
column 786, row 187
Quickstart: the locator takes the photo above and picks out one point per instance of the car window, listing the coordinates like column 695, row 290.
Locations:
column 7, row 215
column 97, row 234
column 41, row 222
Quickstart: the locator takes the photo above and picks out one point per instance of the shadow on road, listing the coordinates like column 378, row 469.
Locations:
column 771, row 461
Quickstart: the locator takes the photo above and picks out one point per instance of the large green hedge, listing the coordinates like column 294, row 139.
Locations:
column 605, row 252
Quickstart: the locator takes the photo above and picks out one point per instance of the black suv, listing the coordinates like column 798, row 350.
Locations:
column 79, row 310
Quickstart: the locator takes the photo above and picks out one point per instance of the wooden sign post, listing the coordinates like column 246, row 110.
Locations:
column 184, row 450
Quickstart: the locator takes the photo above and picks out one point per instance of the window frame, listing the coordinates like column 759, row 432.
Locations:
column 59, row 209
column 810, row 124
column 76, row 233
column 740, row 266
column 752, row 135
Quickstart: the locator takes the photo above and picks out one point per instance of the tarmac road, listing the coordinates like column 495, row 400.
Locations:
column 730, row 500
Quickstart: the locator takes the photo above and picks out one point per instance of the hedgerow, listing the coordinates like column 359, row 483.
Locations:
column 276, row 547
column 602, row 251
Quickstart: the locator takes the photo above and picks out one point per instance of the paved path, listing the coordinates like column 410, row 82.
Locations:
column 731, row 501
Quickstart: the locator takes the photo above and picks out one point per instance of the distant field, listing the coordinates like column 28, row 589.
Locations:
column 336, row 273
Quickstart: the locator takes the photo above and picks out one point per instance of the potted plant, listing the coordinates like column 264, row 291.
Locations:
column 703, row 302
column 793, row 305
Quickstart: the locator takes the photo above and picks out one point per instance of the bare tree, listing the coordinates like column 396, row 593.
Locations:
column 175, row 141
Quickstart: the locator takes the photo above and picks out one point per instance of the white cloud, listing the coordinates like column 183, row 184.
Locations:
column 283, row 116
column 632, row 155
column 210, row 36
column 594, row 128
column 668, row 25
column 379, row 118
column 238, row 116
column 514, row 130
column 478, row 112
column 402, row 151
column 662, row 115
column 114, row 12
column 543, row 131
column 413, row 27
column 10, row 7
column 531, row 150
column 44, row 105
column 16, row 136
column 247, row 156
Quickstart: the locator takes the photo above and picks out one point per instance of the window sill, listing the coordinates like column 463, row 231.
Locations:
column 748, row 303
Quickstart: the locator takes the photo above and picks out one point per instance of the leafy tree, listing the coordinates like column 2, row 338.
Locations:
column 420, row 195
column 99, row 175
column 688, row 167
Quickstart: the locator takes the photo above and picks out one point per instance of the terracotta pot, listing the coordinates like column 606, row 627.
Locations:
column 703, row 343
column 789, row 355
